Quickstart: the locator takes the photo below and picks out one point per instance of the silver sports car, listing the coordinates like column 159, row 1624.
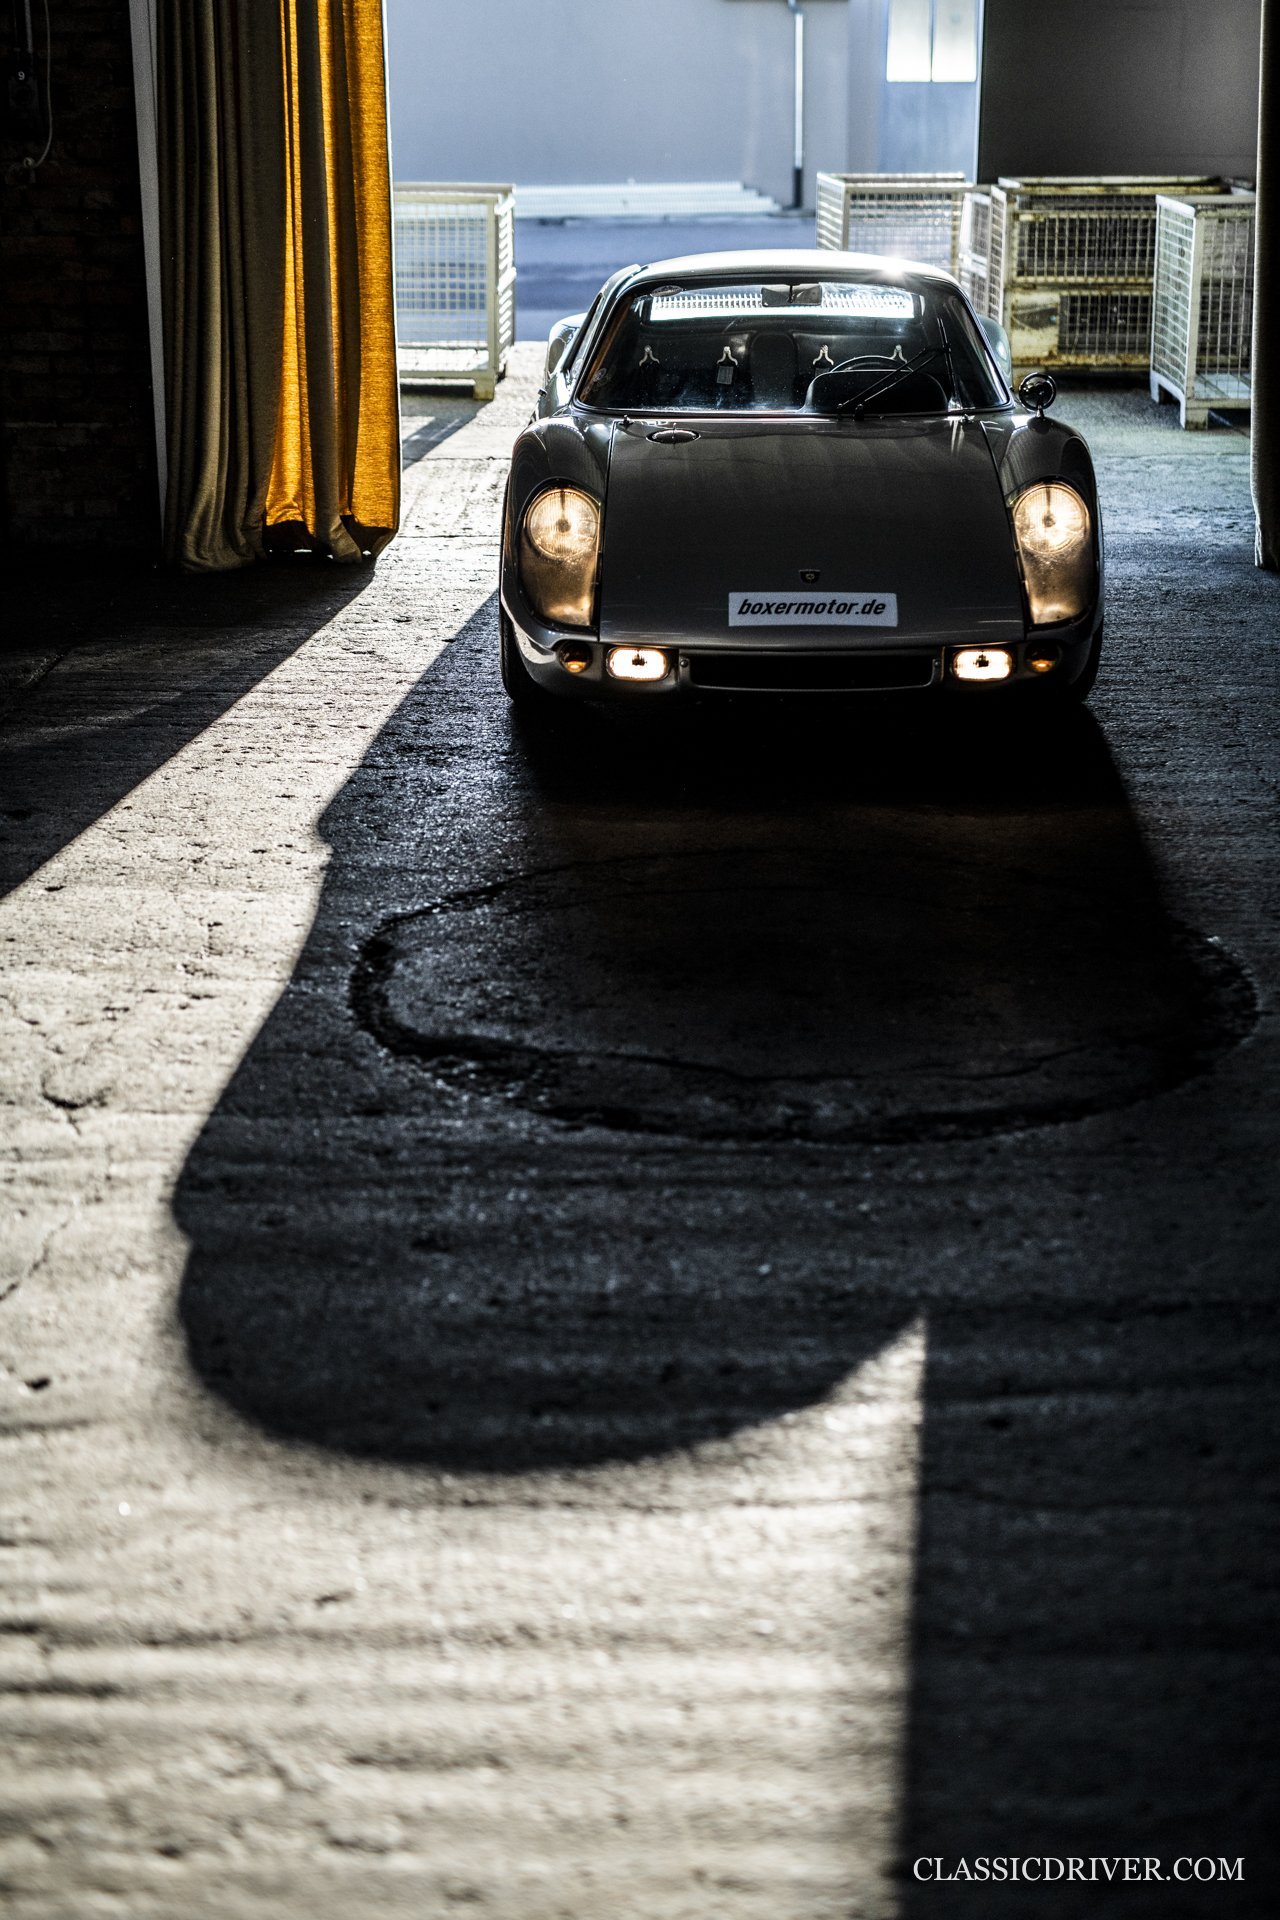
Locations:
column 773, row 472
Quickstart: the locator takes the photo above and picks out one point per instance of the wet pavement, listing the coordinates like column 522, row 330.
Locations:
column 635, row 1320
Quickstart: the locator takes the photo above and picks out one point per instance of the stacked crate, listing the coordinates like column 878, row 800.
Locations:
column 974, row 264
column 904, row 216
column 1202, row 326
column 455, row 284
column 1071, row 267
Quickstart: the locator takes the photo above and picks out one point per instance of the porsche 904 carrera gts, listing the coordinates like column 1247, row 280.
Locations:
column 795, row 472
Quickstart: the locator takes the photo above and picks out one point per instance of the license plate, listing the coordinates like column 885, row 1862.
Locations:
column 809, row 609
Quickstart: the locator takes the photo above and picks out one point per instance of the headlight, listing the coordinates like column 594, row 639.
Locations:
column 559, row 550
column 1051, row 525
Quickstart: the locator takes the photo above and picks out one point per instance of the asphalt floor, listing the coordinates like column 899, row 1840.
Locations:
column 643, row 1322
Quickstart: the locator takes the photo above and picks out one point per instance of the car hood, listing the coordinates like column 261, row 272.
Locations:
column 905, row 508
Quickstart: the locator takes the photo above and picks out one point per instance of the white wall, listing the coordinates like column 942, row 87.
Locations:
column 562, row 91
column 558, row 91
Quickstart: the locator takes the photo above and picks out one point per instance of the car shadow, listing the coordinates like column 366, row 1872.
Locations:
column 621, row 946
column 427, row 1227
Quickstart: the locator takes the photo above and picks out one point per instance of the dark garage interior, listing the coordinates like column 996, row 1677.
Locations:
column 605, row 1315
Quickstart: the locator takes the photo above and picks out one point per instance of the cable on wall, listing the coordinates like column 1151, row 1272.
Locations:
column 29, row 165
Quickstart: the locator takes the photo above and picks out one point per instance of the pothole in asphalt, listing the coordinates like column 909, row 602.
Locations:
column 753, row 994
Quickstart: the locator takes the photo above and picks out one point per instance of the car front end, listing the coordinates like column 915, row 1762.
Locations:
column 785, row 516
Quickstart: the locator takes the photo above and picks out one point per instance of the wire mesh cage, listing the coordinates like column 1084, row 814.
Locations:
column 907, row 216
column 1070, row 267
column 455, row 284
column 974, row 266
column 1202, row 319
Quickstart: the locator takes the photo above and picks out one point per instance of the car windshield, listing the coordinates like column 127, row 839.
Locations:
column 791, row 346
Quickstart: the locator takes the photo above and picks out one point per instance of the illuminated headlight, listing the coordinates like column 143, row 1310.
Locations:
column 559, row 555
column 982, row 663
column 1055, row 544
column 637, row 663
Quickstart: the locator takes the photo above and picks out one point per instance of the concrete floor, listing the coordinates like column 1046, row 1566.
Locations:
column 633, row 1323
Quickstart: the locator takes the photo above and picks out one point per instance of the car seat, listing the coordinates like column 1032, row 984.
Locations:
column 774, row 369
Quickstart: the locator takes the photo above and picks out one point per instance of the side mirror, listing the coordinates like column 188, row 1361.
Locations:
column 559, row 342
column 1037, row 392
column 998, row 341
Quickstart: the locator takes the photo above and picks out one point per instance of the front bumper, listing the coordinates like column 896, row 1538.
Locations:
column 712, row 671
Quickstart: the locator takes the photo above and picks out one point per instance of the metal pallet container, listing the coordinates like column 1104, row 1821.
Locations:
column 455, row 284
column 1202, row 324
column 1071, row 267
column 974, row 272
column 906, row 216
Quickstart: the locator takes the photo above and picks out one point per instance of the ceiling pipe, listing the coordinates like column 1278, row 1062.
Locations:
column 797, row 189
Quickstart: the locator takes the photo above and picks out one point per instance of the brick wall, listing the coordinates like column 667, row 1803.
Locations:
column 77, row 448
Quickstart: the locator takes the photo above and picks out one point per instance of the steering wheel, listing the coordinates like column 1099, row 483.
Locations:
column 867, row 363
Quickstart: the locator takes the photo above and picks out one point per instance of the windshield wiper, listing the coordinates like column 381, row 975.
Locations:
column 859, row 401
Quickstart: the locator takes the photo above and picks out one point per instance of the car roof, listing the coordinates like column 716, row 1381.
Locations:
column 823, row 263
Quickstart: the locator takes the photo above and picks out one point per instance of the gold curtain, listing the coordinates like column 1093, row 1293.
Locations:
column 280, row 367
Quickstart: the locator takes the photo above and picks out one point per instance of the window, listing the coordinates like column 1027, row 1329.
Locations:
column 932, row 40
column 910, row 40
column 791, row 346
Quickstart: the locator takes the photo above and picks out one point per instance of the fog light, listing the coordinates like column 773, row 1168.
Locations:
column 637, row 663
column 1042, row 659
column 982, row 663
column 572, row 657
